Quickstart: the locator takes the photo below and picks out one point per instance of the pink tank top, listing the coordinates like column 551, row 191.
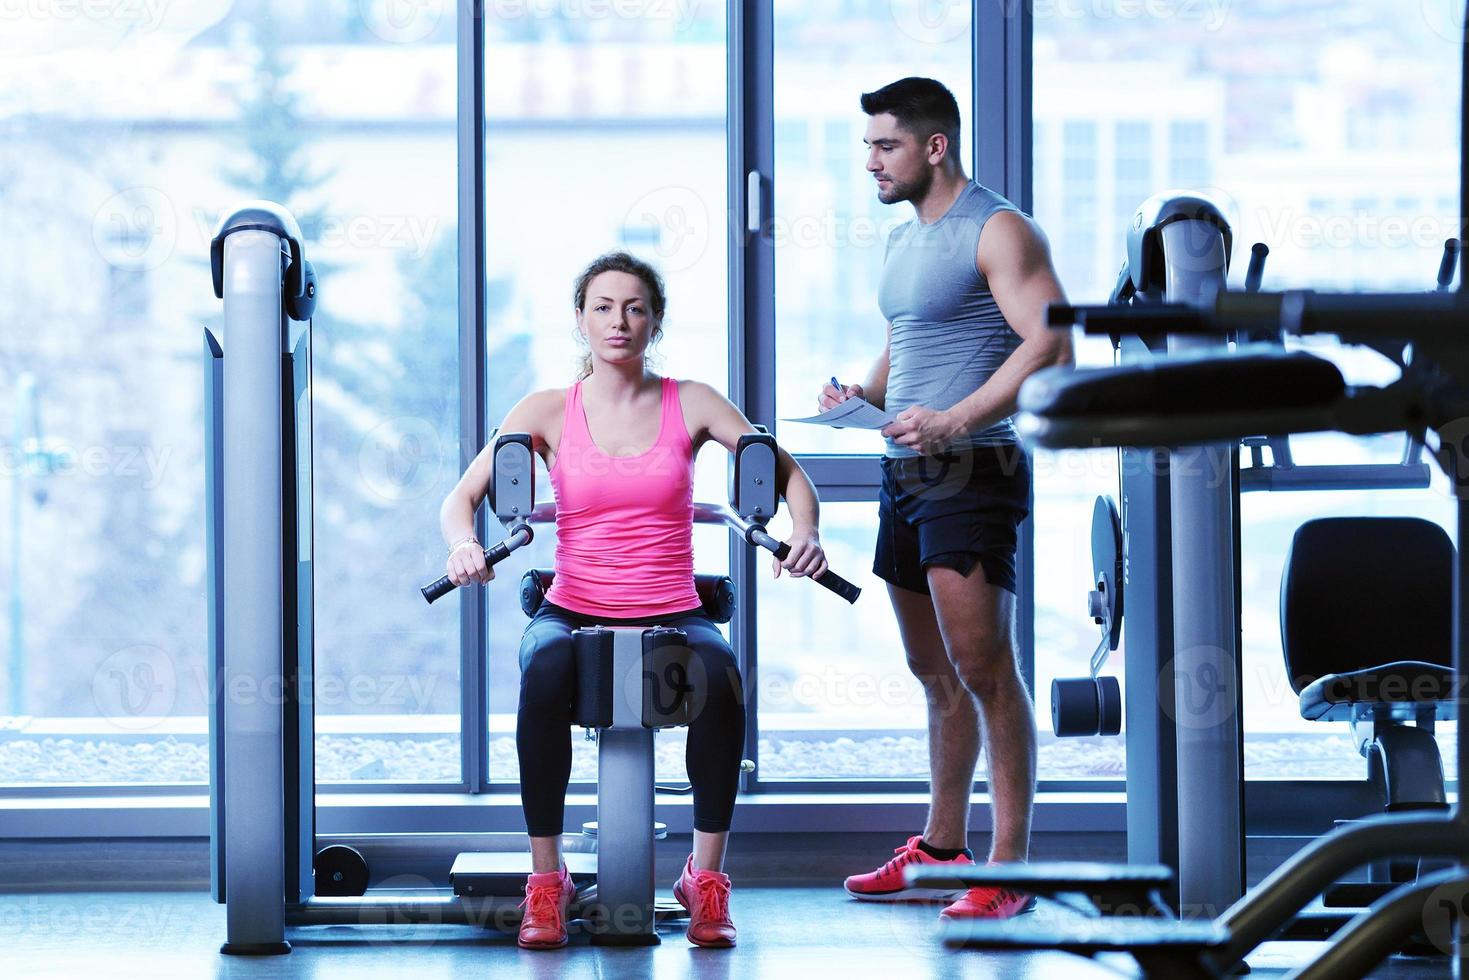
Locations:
column 624, row 525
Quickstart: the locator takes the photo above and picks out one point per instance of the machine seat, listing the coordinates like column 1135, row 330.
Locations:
column 1399, row 688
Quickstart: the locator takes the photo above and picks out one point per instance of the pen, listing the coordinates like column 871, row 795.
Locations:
column 838, row 386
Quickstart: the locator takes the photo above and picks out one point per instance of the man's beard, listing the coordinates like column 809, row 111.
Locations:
column 910, row 191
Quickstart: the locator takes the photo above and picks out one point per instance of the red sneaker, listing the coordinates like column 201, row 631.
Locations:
column 990, row 903
column 546, row 897
column 886, row 884
column 705, row 894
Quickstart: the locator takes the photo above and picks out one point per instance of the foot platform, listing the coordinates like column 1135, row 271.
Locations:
column 477, row 874
column 1113, row 889
column 1163, row 948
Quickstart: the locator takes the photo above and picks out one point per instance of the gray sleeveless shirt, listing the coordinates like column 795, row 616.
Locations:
column 948, row 333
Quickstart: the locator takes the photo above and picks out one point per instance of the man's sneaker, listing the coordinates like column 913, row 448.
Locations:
column 886, row 884
column 705, row 894
column 989, row 903
column 546, row 898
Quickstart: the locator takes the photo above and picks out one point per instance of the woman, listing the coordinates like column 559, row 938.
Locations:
column 619, row 445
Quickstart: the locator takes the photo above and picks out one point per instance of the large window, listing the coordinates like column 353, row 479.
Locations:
column 1330, row 138
column 1328, row 132
column 124, row 140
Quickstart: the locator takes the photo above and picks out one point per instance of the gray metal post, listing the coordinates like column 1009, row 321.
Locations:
column 1152, row 787
column 625, row 834
column 625, row 805
column 254, row 338
column 1205, row 673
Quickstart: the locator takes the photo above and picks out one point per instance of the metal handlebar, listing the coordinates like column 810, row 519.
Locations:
column 751, row 531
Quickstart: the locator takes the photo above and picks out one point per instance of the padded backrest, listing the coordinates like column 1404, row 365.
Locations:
column 716, row 592
column 1360, row 592
column 1255, row 380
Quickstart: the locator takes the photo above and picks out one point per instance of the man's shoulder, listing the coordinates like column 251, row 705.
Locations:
column 898, row 232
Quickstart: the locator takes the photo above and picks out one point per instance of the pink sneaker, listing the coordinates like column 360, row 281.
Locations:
column 705, row 894
column 886, row 884
column 990, row 903
column 546, row 898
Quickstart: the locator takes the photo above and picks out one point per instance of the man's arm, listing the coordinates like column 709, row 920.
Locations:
column 1016, row 261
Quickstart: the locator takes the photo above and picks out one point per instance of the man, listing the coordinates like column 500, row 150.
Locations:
column 965, row 286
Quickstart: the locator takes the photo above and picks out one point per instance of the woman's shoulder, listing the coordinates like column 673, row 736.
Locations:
column 693, row 395
column 689, row 389
column 703, row 406
column 548, row 397
column 537, row 411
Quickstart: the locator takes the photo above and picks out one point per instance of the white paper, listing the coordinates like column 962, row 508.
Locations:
column 854, row 413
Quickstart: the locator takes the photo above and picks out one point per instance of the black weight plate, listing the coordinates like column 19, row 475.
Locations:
column 340, row 870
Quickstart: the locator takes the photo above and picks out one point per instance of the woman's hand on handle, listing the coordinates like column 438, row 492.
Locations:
column 467, row 564
column 806, row 557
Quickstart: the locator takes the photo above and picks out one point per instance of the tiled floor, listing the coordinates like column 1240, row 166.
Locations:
column 805, row 933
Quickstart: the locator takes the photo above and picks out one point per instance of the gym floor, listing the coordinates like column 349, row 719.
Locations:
column 784, row 932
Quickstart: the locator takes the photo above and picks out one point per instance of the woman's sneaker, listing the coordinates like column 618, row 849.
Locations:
column 546, row 898
column 887, row 884
column 705, row 894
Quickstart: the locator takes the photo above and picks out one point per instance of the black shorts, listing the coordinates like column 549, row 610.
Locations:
column 954, row 510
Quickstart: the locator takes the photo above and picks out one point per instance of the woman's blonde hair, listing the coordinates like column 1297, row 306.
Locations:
column 633, row 266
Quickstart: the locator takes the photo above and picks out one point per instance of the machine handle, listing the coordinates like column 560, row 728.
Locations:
column 1446, row 265
column 828, row 578
column 493, row 556
column 1256, row 272
column 1173, row 318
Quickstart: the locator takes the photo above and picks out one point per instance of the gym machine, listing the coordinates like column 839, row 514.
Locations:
column 1179, row 245
column 1222, row 400
column 265, row 863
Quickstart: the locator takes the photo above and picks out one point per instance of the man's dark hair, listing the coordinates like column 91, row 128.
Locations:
column 921, row 105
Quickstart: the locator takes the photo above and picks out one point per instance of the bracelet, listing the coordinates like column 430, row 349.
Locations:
column 462, row 542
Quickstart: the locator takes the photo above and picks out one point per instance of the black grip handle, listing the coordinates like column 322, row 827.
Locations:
column 1179, row 318
column 1446, row 265
column 441, row 588
column 437, row 590
column 839, row 585
column 828, row 578
column 1256, row 271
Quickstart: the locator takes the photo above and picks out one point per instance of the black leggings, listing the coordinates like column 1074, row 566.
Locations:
column 543, row 723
